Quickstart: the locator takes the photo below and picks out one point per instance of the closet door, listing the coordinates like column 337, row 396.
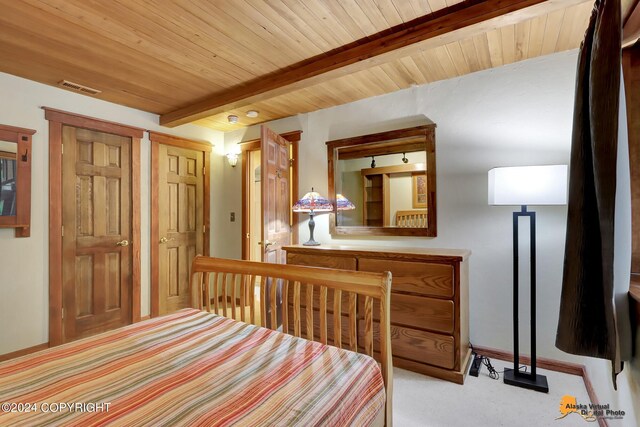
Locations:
column 96, row 237
column 180, row 223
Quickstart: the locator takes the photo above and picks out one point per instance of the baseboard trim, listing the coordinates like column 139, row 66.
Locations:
column 592, row 395
column 145, row 318
column 542, row 363
column 551, row 365
column 23, row 352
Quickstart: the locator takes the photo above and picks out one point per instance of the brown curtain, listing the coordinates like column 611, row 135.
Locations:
column 587, row 323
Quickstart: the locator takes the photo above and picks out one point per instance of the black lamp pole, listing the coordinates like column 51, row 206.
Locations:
column 515, row 376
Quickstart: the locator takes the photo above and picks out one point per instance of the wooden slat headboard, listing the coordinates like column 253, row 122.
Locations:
column 411, row 218
column 229, row 284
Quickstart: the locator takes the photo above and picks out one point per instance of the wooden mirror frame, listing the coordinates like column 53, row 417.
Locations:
column 425, row 135
column 21, row 221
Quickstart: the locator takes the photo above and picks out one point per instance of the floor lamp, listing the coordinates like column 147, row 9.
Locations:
column 524, row 186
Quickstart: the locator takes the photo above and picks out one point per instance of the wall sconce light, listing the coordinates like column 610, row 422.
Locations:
column 404, row 158
column 233, row 159
column 373, row 161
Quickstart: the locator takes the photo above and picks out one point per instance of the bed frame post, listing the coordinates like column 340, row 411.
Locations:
column 386, row 358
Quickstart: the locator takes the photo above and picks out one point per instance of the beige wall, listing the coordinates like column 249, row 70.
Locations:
column 520, row 114
column 24, row 298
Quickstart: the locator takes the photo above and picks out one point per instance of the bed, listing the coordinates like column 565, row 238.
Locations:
column 194, row 367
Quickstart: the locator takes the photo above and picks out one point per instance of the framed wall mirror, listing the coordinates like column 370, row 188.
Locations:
column 15, row 179
column 390, row 180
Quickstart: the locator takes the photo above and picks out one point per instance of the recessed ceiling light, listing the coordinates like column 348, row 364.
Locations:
column 252, row 113
column 232, row 118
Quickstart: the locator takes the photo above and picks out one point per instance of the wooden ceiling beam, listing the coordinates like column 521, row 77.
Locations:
column 445, row 26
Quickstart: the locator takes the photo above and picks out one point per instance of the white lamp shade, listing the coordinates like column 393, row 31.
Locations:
column 528, row 185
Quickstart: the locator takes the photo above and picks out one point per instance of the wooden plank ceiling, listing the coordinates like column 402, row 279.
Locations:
column 159, row 56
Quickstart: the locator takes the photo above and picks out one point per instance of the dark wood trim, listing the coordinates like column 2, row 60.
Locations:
column 394, row 253
column 542, row 363
column 23, row 184
column 10, row 133
column 24, row 352
column 634, row 309
column 460, row 21
column 154, row 233
column 136, row 237
column 427, row 132
column 593, row 397
column 391, row 135
column 156, row 139
column 206, row 208
column 244, row 156
column 631, row 28
column 56, row 120
column 86, row 122
column 55, row 233
column 246, row 147
column 295, row 188
column 631, row 71
column 292, row 136
column 21, row 221
column 249, row 145
column 177, row 141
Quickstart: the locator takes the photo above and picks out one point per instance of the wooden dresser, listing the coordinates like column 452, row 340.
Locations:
column 429, row 301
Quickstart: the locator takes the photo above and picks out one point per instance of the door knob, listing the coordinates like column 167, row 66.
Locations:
column 123, row 243
column 165, row 240
column 266, row 243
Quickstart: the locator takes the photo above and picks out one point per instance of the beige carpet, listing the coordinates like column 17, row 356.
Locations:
column 419, row 400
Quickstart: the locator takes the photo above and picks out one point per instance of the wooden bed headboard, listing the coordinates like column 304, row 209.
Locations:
column 411, row 218
column 233, row 288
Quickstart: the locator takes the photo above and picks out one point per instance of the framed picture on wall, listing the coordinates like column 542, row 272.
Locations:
column 419, row 190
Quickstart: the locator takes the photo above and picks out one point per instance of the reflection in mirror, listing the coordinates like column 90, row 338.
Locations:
column 384, row 196
column 8, row 172
column 390, row 177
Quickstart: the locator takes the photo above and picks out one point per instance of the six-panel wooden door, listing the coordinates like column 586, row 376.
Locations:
column 180, row 223
column 96, row 234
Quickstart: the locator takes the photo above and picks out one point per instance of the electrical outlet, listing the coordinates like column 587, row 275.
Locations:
column 232, row 217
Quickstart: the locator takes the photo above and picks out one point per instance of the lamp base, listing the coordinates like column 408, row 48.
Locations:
column 311, row 242
column 518, row 379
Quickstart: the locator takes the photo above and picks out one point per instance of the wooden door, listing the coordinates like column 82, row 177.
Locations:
column 96, row 233
column 180, row 223
column 276, row 206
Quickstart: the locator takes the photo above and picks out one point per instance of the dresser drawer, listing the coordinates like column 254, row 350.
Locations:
column 327, row 261
column 423, row 313
column 418, row 346
column 415, row 277
column 416, row 312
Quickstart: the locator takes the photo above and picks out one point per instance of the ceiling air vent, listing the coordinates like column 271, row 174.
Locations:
column 79, row 88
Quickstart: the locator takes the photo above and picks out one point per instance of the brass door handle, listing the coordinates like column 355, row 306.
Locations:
column 123, row 243
column 165, row 240
column 266, row 243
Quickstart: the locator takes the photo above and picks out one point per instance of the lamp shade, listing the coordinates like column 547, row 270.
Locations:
column 528, row 185
column 343, row 203
column 312, row 202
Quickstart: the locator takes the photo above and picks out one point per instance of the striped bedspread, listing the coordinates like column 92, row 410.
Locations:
column 191, row 368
